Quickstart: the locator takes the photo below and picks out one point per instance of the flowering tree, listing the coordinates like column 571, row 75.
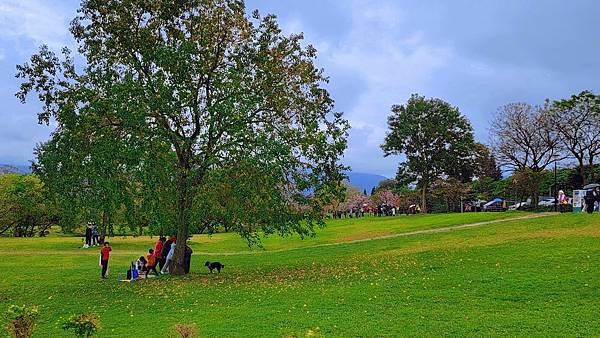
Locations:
column 386, row 197
column 357, row 201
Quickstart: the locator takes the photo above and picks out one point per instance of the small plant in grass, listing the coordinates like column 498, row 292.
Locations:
column 311, row 333
column 186, row 331
column 84, row 325
column 21, row 320
column 314, row 333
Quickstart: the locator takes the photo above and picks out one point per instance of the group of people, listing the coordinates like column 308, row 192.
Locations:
column 92, row 237
column 161, row 256
column 378, row 211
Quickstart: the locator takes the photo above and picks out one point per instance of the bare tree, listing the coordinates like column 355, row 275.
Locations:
column 577, row 121
column 523, row 139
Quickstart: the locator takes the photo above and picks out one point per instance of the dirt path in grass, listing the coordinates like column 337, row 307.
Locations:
column 254, row 252
column 375, row 238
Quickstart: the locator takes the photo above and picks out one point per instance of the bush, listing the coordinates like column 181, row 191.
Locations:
column 84, row 325
column 21, row 320
column 186, row 331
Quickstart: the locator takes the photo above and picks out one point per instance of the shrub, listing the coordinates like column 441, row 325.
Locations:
column 21, row 320
column 186, row 331
column 84, row 325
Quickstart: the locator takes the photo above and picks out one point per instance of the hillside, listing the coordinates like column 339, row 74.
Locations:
column 14, row 169
column 427, row 275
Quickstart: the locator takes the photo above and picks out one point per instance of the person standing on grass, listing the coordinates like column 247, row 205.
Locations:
column 562, row 201
column 88, row 236
column 95, row 236
column 169, row 258
column 152, row 261
column 158, row 248
column 590, row 199
column 187, row 259
column 104, row 257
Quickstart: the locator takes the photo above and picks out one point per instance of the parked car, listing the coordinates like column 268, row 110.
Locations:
column 517, row 206
column 547, row 202
column 494, row 205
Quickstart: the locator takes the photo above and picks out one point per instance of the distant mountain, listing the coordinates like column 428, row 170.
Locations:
column 364, row 181
column 14, row 169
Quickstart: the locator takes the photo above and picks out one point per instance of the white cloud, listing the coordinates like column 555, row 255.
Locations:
column 37, row 20
column 391, row 60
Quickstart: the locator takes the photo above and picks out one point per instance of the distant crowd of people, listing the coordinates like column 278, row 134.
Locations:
column 378, row 211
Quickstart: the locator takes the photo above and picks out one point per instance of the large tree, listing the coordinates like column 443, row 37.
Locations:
column 525, row 140
column 435, row 138
column 577, row 121
column 220, row 88
column 24, row 212
column 485, row 164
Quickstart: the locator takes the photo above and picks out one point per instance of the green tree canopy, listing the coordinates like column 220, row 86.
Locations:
column 221, row 89
column 435, row 139
column 24, row 211
column 577, row 121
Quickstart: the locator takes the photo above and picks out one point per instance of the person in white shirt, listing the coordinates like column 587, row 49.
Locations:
column 167, row 267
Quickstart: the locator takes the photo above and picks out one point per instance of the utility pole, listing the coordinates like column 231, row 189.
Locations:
column 555, row 189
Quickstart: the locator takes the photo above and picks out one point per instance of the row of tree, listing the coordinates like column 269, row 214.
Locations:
column 441, row 157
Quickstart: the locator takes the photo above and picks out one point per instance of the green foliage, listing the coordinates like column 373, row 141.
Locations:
column 83, row 326
column 485, row 188
column 24, row 210
column 161, row 85
column 485, row 165
column 436, row 139
column 577, row 120
column 21, row 320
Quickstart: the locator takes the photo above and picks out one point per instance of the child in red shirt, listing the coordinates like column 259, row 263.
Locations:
column 104, row 256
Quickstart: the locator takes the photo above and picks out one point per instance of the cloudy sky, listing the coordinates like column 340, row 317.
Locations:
column 477, row 55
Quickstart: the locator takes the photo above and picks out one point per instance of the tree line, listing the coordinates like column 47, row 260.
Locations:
column 441, row 158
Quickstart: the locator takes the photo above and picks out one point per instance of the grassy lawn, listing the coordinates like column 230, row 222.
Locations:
column 527, row 277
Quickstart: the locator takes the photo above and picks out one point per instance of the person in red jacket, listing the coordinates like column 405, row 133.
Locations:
column 158, row 247
column 104, row 256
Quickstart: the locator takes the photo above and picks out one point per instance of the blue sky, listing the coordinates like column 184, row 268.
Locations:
column 477, row 55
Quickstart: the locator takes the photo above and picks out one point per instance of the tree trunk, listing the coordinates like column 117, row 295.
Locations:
column 104, row 227
column 582, row 175
column 424, row 199
column 183, row 205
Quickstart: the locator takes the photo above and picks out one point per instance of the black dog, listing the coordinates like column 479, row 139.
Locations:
column 214, row 265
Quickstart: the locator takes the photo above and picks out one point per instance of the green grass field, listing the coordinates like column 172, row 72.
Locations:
column 536, row 276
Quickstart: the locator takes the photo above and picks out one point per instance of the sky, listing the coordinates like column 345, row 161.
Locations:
column 476, row 55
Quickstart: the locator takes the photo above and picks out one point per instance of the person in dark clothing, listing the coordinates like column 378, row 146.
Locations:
column 187, row 259
column 88, row 236
column 165, row 250
column 104, row 257
column 590, row 199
